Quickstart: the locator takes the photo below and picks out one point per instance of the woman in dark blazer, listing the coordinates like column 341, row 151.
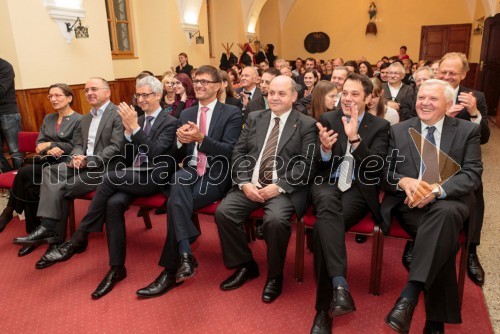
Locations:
column 54, row 141
column 226, row 93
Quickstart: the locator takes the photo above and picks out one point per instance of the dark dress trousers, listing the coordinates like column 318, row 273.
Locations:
column 337, row 211
column 120, row 188
column 189, row 192
column 25, row 192
column 296, row 148
column 435, row 227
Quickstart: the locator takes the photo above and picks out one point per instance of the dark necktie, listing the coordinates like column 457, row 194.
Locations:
column 142, row 156
column 269, row 154
column 249, row 94
column 430, row 173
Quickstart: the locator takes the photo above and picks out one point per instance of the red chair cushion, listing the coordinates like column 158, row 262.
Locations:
column 209, row 209
column 27, row 141
column 87, row 196
column 7, row 179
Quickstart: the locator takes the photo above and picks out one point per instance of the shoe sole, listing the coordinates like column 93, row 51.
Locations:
column 48, row 264
column 339, row 311
column 159, row 294
column 395, row 327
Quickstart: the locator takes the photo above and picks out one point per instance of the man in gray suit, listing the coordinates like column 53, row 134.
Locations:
column 99, row 139
column 431, row 192
column 272, row 162
column 260, row 103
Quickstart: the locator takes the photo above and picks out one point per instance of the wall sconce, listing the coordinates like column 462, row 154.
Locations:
column 80, row 31
column 199, row 39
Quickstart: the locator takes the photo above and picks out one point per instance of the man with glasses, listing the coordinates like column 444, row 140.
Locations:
column 99, row 139
column 394, row 88
column 205, row 141
column 149, row 140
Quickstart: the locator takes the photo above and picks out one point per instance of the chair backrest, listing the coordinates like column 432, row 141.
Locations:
column 27, row 141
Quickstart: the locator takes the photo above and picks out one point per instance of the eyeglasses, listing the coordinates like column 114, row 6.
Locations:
column 93, row 89
column 144, row 95
column 394, row 73
column 57, row 96
column 451, row 74
column 202, row 82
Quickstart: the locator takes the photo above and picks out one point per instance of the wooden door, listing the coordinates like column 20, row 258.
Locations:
column 435, row 41
column 489, row 66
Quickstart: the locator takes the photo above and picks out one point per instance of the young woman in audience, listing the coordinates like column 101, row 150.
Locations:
column 168, row 99
column 352, row 66
column 323, row 99
column 365, row 68
column 328, row 70
column 311, row 77
column 234, row 77
column 184, row 94
column 183, row 66
column 226, row 93
column 377, row 106
column 54, row 141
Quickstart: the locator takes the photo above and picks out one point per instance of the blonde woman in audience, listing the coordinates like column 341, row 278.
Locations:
column 168, row 99
column 328, row 70
column 377, row 105
column 323, row 99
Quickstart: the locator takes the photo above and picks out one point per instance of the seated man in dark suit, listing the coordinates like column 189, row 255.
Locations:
column 272, row 163
column 149, row 141
column 394, row 89
column 429, row 187
column 344, row 192
column 205, row 139
column 260, row 102
column 98, row 140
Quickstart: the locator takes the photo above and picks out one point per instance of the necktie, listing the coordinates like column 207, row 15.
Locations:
column 346, row 168
column 249, row 94
column 141, row 155
column 430, row 171
column 269, row 155
column 202, row 157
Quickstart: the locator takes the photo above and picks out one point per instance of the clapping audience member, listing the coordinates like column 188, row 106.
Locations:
column 183, row 66
column 311, row 78
column 395, row 89
column 184, row 94
column 168, row 98
column 234, row 77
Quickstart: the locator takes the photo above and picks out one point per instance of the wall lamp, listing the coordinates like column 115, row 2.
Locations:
column 80, row 31
column 199, row 39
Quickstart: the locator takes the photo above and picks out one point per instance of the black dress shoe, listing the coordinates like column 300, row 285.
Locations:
column 25, row 250
column 108, row 283
column 408, row 254
column 475, row 270
column 43, row 262
column 360, row 238
column 427, row 330
column 400, row 316
column 322, row 323
column 272, row 289
column 186, row 267
column 342, row 302
column 39, row 236
column 65, row 251
column 239, row 277
column 5, row 219
column 161, row 285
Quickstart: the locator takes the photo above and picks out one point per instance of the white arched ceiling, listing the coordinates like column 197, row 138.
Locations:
column 285, row 7
column 189, row 11
column 489, row 7
column 251, row 11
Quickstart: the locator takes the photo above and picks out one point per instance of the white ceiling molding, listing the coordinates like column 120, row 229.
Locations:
column 62, row 11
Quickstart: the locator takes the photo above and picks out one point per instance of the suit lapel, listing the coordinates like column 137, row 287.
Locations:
column 158, row 121
column 262, row 125
column 414, row 142
column 447, row 137
column 215, row 116
column 105, row 116
column 288, row 130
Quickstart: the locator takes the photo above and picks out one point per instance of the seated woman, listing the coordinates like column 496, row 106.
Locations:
column 168, row 98
column 226, row 93
column 328, row 70
column 184, row 94
column 234, row 77
column 378, row 107
column 311, row 78
column 53, row 141
column 323, row 99
column 365, row 68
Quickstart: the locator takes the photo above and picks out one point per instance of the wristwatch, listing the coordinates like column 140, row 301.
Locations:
column 355, row 140
column 436, row 192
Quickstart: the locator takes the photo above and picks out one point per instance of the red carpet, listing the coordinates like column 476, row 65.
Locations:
column 57, row 299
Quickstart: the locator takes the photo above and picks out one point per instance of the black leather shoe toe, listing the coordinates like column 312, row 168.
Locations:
column 239, row 277
column 43, row 263
column 186, row 268
column 109, row 281
column 322, row 323
column 161, row 285
column 25, row 250
column 399, row 318
column 342, row 302
column 39, row 236
column 272, row 289
column 475, row 270
column 65, row 251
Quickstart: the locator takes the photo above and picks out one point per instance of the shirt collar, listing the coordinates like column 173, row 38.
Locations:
column 283, row 118
column 101, row 109
column 155, row 114
column 210, row 106
column 251, row 90
column 438, row 126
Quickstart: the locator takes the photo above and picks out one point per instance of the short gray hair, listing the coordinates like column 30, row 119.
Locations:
column 449, row 92
column 398, row 65
column 423, row 68
column 155, row 84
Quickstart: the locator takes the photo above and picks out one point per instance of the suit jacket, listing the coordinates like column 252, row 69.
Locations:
column 369, row 156
column 223, row 132
column 483, row 109
column 407, row 107
column 460, row 141
column 256, row 104
column 405, row 90
column 256, row 95
column 109, row 138
column 159, row 142
column 64, row 138
column 296, row 148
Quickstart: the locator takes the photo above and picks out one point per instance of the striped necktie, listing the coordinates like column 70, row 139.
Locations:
column 269, row 155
